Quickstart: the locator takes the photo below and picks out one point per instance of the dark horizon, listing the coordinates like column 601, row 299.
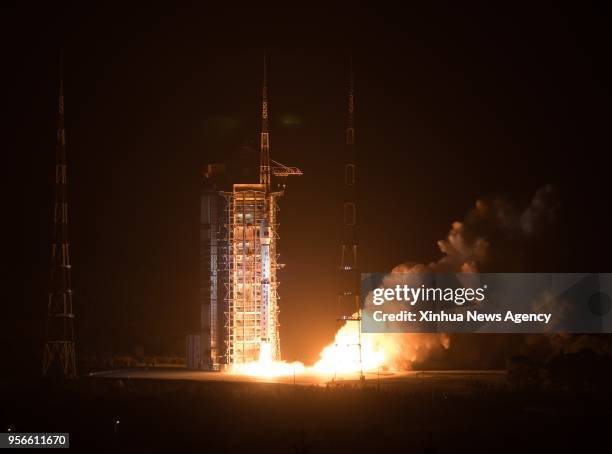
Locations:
column 451, row 107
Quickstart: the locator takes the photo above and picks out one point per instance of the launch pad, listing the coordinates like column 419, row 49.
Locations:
column 453, row 381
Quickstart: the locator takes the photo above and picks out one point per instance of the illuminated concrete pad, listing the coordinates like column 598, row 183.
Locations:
column 448, row 379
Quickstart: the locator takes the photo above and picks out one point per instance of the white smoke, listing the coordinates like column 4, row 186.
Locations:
column 493, row 225
column 492, row 233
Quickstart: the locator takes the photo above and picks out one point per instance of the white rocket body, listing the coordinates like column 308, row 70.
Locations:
column 266, row 306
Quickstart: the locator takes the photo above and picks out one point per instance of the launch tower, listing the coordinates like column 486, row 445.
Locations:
column 239, row 234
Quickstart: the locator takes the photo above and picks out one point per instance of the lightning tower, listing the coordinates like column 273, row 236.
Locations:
column 349, row 297
column 59, row 356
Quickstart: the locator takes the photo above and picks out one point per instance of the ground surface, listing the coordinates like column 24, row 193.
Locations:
column 179, row 410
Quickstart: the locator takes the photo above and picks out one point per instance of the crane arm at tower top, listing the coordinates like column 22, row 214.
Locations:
column 281, row 170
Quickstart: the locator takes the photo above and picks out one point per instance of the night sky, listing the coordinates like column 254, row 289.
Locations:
column 452, row 105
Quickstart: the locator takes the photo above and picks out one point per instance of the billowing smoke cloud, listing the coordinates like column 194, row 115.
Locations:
column 492, row 237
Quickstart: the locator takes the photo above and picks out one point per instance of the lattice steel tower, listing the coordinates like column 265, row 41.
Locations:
column 349, row 296
column 59, row 353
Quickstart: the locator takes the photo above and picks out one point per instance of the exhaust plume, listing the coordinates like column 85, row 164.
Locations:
column 493, row 232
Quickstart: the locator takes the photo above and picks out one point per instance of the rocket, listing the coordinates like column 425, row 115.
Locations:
column 266, row 307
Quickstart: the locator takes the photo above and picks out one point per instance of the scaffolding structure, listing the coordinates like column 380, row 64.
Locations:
column 250, row 262
column 209, row 253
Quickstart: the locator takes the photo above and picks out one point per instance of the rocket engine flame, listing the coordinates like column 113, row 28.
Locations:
column 342, row 357
column 266, row 366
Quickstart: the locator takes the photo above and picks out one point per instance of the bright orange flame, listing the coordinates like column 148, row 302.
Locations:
column 266, row 367
column 342, row 357
column 339, row 359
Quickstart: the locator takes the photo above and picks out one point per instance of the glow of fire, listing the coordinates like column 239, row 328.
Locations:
column 338, row 359
column 266, row 367
column 343, row 356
